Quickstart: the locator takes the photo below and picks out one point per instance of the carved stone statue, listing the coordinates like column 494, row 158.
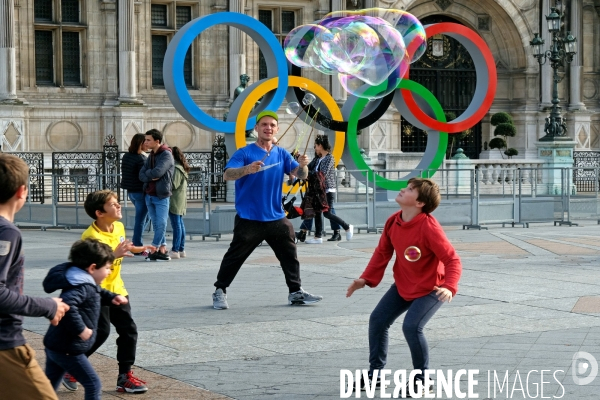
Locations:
column 244, row 79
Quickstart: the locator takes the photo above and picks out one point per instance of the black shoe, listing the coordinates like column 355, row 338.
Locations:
column 335, row 237
column 301, row 236
column 158, row 256
column 363, row 383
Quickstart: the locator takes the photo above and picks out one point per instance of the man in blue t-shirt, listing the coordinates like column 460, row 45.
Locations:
column 258, row 171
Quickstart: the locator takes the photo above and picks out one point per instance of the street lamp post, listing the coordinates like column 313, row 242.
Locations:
column 561, row 51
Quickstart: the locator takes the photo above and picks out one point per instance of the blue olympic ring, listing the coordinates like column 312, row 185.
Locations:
column 175, row 56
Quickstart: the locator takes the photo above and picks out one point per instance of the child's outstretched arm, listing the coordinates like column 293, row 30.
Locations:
column 123, row 249
column 139, row 249
column 355, row 285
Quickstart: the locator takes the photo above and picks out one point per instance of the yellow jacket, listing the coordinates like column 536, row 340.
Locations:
column 113, row 282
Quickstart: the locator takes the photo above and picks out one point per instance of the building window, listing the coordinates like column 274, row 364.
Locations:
column 184, row 15
column 58, row 42
column 159, row 48
column 166, row 20
column 71, row 58
column 43, row 10
column 44, row 63
column 159, row 15
column 280, row 22
column 70, row 10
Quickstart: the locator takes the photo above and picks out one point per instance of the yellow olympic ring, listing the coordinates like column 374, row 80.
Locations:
column 294, row 81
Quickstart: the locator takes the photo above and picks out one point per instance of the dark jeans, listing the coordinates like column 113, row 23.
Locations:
column 418, row 313
column 79, row 366
column 330, row 215
column 247, row 235
column 141, row 216
column 120, row 317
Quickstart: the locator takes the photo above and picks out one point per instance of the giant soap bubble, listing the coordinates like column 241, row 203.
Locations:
column 365, row 48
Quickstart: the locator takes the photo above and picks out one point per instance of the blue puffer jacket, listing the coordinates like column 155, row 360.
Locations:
column 84, row 296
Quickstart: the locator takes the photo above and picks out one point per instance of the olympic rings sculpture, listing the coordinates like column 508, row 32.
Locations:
column 422, row 111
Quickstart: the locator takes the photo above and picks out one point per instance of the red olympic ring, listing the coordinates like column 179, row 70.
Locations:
column 458, row 125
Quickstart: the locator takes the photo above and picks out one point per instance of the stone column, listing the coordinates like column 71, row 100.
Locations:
column 8, row 71
column 237, row 56
column 546, row 70
column 127, row 64
column 575, row 102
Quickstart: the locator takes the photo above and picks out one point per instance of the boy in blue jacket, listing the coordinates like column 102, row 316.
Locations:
column 67, row 343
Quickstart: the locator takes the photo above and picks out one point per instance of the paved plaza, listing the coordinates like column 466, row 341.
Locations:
column 529, row 299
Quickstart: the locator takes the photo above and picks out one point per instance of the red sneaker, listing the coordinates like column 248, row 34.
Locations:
column 69, row 382
column 128, row 383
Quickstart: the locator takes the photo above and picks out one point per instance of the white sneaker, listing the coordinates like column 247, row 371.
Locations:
column 350, row 232
column 182, row 254
column 314, row 241
column 174, row 255
column 220, row 300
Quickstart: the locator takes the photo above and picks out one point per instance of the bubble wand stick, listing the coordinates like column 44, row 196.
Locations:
column 301, row 137
column 297, row 115
column 311, row 130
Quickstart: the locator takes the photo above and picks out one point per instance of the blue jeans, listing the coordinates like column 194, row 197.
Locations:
column 158, row 209
column 141, row 216
column 418, row 313
column 78, row 366
column 178, row 232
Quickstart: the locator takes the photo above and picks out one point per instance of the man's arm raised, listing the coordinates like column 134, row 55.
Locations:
column 301, row 172
column 232, row 174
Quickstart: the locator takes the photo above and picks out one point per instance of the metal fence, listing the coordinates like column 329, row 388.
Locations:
column 515, row 197
column 75, row 174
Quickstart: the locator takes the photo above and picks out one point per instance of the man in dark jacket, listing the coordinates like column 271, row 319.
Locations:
column 66, row 344
column 157, row 175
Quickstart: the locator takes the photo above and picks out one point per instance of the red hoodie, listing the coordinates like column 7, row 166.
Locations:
column 439, row 264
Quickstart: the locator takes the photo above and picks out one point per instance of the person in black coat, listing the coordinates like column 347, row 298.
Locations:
column 131, row 164
column 66, row 344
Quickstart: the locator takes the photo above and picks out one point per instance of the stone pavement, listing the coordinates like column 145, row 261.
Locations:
column 529, row 299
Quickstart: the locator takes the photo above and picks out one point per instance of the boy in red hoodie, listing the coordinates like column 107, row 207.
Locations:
column 426, row 273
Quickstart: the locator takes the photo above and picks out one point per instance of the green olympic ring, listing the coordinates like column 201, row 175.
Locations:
column 436, row 141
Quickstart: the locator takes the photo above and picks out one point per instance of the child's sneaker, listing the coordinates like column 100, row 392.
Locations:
column 69, row 382
column 128, row 383
column 314, row 241
column 301, row 298
column 174, row 255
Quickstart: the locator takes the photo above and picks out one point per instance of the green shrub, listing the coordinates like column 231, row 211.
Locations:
column 501, row 118
column 505, row 129
column 511, row 152
column 497, row 143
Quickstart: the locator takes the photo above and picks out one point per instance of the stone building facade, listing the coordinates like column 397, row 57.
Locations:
column 73, row 72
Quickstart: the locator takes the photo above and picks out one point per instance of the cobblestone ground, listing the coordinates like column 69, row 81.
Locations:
column 529, row 300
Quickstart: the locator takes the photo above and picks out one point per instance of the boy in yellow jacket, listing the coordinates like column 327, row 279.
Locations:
column 103, row 206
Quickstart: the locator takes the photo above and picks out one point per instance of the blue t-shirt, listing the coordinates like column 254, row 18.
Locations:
column 258, row 196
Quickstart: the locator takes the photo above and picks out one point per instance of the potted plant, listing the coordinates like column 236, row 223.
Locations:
column 505, row 128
